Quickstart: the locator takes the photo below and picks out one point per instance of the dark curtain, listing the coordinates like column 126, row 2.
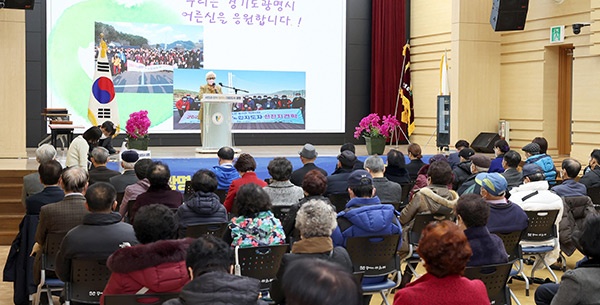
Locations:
column 389, row 35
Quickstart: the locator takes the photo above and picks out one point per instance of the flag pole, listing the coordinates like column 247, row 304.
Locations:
column 397, row 136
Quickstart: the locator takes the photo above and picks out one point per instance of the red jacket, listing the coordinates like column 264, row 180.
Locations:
column 449, row 290
column 248, row 177
column 158, row 266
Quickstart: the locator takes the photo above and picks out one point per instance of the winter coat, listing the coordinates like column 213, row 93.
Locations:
column 592, row 178
column 289, row 223
column 488, row 249
column 225, row 175
column 547, row 164
column 397, row 174
column 570, row 188
column 284, row 193
column 451, row 289
column 496, row 165
column 248, row 177
column 201, row 208
column 159, row 267
column 263, row 229
column 461, row 172
column 580, row 286
column 575, row 211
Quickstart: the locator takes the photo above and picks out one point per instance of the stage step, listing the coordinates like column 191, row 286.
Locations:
column 10, row 190
column 11, row 208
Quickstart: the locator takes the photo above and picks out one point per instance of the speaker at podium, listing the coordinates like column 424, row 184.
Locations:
column 217, row 121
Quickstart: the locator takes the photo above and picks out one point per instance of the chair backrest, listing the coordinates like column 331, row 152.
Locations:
column 420, row 222
column 119, row 199
column 541, row 225
column 261, row 263
column 217, row 229
column 222, row 195
column 511, row 243
column 281, row 211
column 88, row 278
column 594, row 193
column 137, row 299
column 188, row 191
column 51, row 248
column 495, row 278
column 130, row 205
column 339, row 201
column 406, row 187
column 374, row 255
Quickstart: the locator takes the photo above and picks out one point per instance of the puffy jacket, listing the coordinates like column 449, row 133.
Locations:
column 461, row 172
column 225, row 174
column 201, row 208
column 575, row 211
column 159, row 267
column 261, row 230
column 547, row 164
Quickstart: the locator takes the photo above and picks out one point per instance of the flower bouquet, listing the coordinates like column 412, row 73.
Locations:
column 376, row 130
column 137, row 130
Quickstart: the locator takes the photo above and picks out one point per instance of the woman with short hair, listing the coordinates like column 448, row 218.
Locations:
column 281, row 190
column 245, row 165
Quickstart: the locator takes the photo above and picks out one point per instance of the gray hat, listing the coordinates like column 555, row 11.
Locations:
column 532, row 148
column 308, row 151
column 481, row 160
column 347, row 158
column 130, row 156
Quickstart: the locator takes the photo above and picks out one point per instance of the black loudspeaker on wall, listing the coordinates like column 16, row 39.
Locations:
column 509, row 15
column 484, row 142
column 17, row 4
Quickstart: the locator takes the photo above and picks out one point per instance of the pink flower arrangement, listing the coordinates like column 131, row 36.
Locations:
column 138, row 124
column 375, row 126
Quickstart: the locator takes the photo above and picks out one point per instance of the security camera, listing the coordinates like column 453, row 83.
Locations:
column 577, row 27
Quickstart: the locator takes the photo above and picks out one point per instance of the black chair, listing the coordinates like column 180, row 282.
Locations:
column 281, row 211
column 139, row 299
column 130, row 205
column 594, row 194
column 406, row 187
column 49, row 283
column 513, row 249
column 414, row 235
column 188, row 191
column 376, row 256
column 495, row 278
column 88, row 279
column 339, row 201
column 119, row 199
column 217, row 229
column 222, row 195
column 261, row 263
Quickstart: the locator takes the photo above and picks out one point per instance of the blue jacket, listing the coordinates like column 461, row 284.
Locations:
column 496, row 165
column 506, row 218
column 488, row 249
column 546, row 163
column 225, row 174
column 570, row 188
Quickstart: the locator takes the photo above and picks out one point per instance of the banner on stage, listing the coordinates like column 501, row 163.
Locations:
column 291, row 116
column 137, row 67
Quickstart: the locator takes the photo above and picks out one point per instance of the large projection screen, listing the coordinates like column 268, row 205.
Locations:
column 288, row 55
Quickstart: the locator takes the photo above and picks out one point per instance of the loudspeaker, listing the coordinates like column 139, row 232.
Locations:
column 484, row 142
column 509, row 15
column 18, row 4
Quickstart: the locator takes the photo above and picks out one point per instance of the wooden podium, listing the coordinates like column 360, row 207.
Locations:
column 217, row 121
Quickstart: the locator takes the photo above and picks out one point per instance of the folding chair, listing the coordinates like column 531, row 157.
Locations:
column 261, row 263
column 414, row 235
column 513, row 249
column 339, row 201
column 88, row 279
column 47, row 283
column 541, row 228
column 281, row 211
column 139, row 299
column 406, row 187
column 217, row 229
column 376, row 256
column 119, row 199
column 495, row 278
column 594, row 194
column 130, row 205
column 188, row 191
column 222, row 195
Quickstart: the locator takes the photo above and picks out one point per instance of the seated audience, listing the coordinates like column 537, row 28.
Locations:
column 245, row 165
column 357, row 163
column 472, row 213
column 589, row 167
column 320, row 283
column 505, row 216
column 101, row 233
column 225, row 171
column 395, row 170
column 462, row 170
column 510, row 162
column 128, row 177
column 421, row 181
column 445, row 250
column 592, row 178
column 479, row 164
column 454, row 158
column 581, row 285
column 255, row 225
column 31, row 182
column 316, row 221
column 49, row 174
column 536, row 154
column 338, row 183
column 569, row 187
column 415, row 164
column 281, row 190
column 141, row 186
column 308, row 155
column 500, row 148
column 204, row 206
column 99, row 171
column 210, row 265
column 387, row 191
column 157, row 264
column 159, row 190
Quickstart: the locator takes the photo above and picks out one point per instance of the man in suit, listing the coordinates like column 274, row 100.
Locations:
column 100, row 172
column 308, row 155
column 49, row 173
column 62, row 216
column 338, row 183
column 31, row 182
column 128, row 159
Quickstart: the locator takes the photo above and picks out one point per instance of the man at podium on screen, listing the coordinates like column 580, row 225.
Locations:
column 211, row 87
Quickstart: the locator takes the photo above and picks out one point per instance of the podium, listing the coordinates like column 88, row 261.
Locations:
column 217, row 121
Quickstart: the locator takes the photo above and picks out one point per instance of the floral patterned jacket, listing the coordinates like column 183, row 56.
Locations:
column 261, row 230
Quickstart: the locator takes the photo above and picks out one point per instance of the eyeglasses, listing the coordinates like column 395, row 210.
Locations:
column 211, row 78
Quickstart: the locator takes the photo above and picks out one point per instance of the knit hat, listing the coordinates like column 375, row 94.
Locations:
column 130, row 156
column 308, row 151
column 532, row 148
column 480, row 160
column 466, row 153
column 347, row 158
column 493, row 183
column 360, row 177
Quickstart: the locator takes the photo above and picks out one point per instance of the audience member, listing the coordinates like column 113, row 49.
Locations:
column 472, row 213
column 31, row 182
column 316, row 221
column 101, row 233
column 569, row 187
column 592, row 178
column 225, row 171
column 446, row 251
column 588, row 168
column 80, row 146
column 534, row 154
column 108, row 133
column 204, row 206
column 308, row 155
column 281, row 190
column 141, row 186
column 505, row 216
column 338, row 183
column 245, row 165
column 387, row 191
column 120, row 182
column 510, row 162
column 581, row 285
column 255, row 225
column 454, row 158
column 395, row 170
column 422, row 177
column 157, row 264
column 49, row 173
column 210, row 265
column 60, row 217
column 479, row 164
column 501, row 147
column 462, row 170
column 159, row 191
column 357, row 163
column 320, row 282
column 99, row 172
column 415, row 164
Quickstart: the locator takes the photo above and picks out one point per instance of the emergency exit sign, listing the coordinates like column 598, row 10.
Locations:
column 557, row 34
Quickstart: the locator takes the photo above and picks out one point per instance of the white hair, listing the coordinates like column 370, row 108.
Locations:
column 211, row 73
column 45, row 153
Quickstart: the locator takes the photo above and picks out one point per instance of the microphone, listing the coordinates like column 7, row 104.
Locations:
column 221, row 84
